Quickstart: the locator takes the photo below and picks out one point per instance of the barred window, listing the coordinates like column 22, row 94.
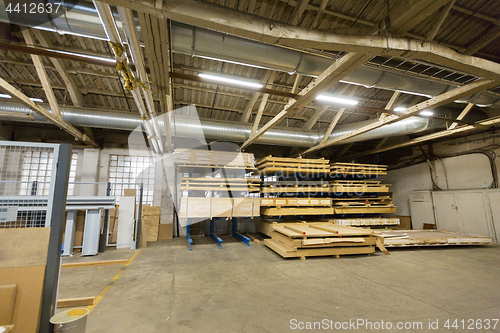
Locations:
column 126, row 171
column 36, row 172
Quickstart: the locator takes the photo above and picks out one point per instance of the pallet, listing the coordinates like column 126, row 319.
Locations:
column 321, row 239
column 296, row 211
column 292, row 202
column 195, row 207
column 404, row 238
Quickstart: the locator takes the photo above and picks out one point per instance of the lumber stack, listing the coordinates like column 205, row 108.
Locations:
column 216, row 184
column 344, row 170
column 289, row 166
column 301, row 240
column 213, row 158
column 368, row 222
column 404, row 238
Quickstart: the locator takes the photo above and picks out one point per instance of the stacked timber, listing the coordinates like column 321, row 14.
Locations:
column 287, row 167
column 292, row 240
column 216, row 184
column 344, row 170
column 348, row 191
column 213, row 158
column 403, row 238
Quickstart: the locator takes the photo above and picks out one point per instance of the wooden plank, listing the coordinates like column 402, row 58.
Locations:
column 275, row 211
column 94, row 263
column 380, row 244
column 430, row 238
column 271, row 158
column 253, row 238
column 8, row 328
column 329, row 251
column 219, row 207
column 74, row 302
column 284, row 202
column 7, row 302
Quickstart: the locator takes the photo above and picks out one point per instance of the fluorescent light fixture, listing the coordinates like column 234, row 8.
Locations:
column 36, row 100
column 426, row 113
column 337, row 100
column 229, row 80
column 5, row 96
column 400, row 109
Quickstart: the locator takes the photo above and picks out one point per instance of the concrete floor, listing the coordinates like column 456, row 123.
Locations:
column 252, row 289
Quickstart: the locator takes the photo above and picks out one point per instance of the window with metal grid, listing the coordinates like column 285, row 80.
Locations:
column 36, row 169
column 127, row 172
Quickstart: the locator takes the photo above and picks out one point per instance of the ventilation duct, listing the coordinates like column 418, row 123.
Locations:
column 83, row 20
column 236, row 132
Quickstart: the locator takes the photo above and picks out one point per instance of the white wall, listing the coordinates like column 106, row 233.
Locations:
column 472, row 171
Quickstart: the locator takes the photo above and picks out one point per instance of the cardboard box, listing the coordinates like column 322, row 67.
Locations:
column 129, row 193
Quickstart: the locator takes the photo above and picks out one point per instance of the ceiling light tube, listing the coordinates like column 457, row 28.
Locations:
column 426, row 113
column 38, row 100
column 400, row 109
column 5, row 96
column 336, row 100
column 230, row 80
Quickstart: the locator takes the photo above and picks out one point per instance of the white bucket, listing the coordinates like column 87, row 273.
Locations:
column 70, row 321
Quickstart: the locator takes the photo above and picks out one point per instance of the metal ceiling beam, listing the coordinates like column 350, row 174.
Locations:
column 432, row 103
column 333, row 74
column 5, row 86
column 215, row 17
column 463, row 129
column 60, row 67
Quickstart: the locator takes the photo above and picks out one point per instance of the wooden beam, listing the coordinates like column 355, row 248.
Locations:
column 390, row 104
column 298, row 11
column 463, row 129
column 196, row 78
column 483, row 40
column 75, row 302
column 432, row 103
column 296, row 83
column 338, row 115
column 262, row 105
column 5, row 86
column 42, row 75
column 437, row 25
column 245, row 117
column 413, row 15
column 61, row 69
column 320, row 12
column 317, row 114
column 462, row 115
column 344, row 150
column 330, row 76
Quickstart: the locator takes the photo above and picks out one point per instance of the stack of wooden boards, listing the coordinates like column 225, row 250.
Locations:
column 292, row 240
column 313, row 187
column 215, row 184
column 398, row 238
column 213, row 158
column 287, row 166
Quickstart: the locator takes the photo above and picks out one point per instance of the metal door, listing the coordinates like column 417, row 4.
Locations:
column 494, row 200
column 445, row 209
column 421, row 209
column 472, row 211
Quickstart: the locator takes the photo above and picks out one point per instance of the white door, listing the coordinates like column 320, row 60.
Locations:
column 421, row 209
column 472, row 211
column 494, row 198
column 446, row 211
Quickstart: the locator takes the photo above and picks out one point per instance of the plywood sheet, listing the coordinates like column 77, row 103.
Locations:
column 165, row 231
column 7, row 303
column 22, row 247
column 150, row 224
column 126, row 213
column 219, row 207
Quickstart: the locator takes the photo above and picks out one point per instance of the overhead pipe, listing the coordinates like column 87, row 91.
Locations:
column 83, row 20
column 129, row 27
column 111, row 30
column 235, row 132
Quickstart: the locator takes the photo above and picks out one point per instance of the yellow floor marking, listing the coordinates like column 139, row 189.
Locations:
column 113, row 280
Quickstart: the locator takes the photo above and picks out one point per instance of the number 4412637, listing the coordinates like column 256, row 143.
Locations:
column 34, row 8
column 471, row 324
